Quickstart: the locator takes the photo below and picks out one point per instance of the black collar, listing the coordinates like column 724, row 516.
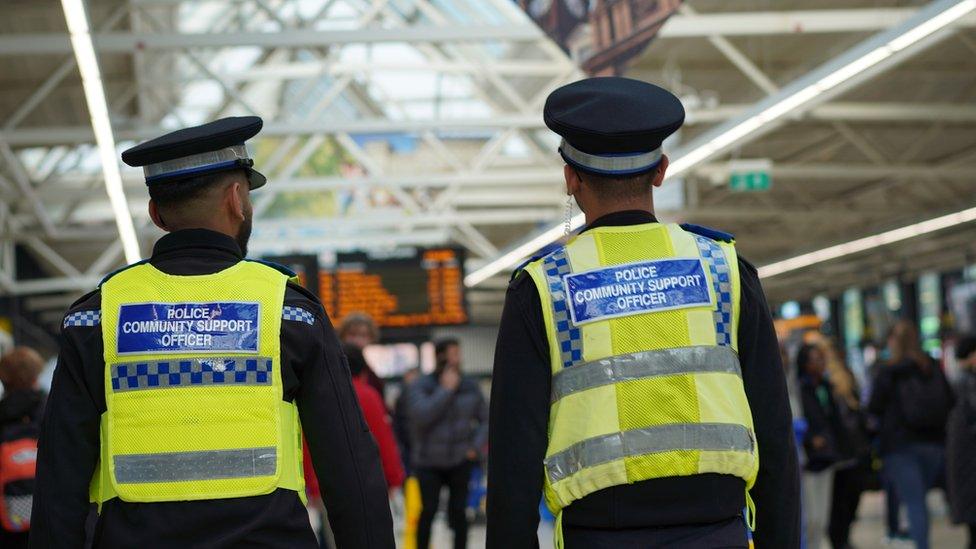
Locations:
column 196, row 239
column 625, row 217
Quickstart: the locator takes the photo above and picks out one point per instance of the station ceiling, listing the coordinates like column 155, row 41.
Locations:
column 418, row 122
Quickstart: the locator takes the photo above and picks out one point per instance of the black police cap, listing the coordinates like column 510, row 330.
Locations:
column 613, row 125
column 213, row 147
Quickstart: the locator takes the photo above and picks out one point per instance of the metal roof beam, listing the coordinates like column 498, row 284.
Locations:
column 760, row 23
column 127, row 42
column 951, row 113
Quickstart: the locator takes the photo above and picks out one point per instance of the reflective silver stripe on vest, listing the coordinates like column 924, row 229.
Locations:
column 186, row 466
column 716, row 437
column 664, row 362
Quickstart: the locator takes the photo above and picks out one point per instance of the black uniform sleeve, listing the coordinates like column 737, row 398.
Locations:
column 518, row 419
column 344, row 454
column 69, row 443
column 777, row 489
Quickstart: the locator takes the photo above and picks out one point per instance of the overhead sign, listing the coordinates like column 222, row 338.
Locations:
column 750, row 175
column 419, row 288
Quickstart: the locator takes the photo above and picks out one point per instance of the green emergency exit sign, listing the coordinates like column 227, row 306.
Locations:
column 750, row 181
column 750, row 175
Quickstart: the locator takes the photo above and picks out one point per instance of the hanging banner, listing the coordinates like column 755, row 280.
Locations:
column 603, row 36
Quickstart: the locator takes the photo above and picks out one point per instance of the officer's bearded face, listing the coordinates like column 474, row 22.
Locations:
column 244, row 232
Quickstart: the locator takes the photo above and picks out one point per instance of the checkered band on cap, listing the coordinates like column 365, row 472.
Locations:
column 298, row 314
column 556, row 266
column 718, row 267
column 188, row 372
column 83, row 318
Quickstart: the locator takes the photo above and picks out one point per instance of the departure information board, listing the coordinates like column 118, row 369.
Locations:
column 422, row 289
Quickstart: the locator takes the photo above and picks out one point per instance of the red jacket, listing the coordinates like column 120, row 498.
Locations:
column 379, row 425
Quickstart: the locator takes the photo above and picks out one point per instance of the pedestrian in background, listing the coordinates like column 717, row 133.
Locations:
column 853, row 470
column 20, row 414
column 449, row 426
column 401, row 418
column 377, row 418
column 961, row 441
column 912, row 397
column 821, row 442
column 360, row 330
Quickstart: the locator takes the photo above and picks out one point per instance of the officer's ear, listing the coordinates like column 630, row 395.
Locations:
column 573, row 181
column 659, row 171
column 157, row 218
column 235, row 195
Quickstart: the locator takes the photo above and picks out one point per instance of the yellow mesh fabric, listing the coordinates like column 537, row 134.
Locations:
column 657, row 401
column 592, row 415
column 665, row 464
column 201, row 417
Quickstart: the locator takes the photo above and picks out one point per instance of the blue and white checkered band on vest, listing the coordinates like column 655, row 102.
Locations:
column 196, row 163
column 610, row 164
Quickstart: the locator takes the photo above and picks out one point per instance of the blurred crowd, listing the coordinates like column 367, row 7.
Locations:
column 435, row 432
column 907, row 432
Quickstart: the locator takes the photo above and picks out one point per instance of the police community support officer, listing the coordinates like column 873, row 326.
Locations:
column 176, row 399
column 637, row 379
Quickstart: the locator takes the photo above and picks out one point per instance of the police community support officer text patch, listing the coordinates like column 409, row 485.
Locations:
column 188, row 327
column 636, row 288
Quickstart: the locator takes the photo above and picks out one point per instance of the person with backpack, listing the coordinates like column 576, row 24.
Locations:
column 20, row 414
column 961, row 443
column 912, row 398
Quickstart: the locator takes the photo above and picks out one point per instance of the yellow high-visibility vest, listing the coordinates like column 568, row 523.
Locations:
column 193, row 387
column 646, row 383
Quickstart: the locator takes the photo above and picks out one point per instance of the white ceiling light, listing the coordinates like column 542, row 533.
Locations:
column 819, row 85
column 91, row 79
column 867, row 243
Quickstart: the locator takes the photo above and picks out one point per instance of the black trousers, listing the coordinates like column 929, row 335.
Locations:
column 431, row 481
column 10, row 540
column 728, row 534
column 846, row 496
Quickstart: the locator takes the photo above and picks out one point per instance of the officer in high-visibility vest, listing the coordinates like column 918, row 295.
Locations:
column 185, row 380
column 637, row 381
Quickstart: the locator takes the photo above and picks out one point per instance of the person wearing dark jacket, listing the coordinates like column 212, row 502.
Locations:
column 449, row 429
column 401, row 419
column 912, row 398
column 852, row 473
column 619, row 124
column 961, row 442
column 823, row 442
column 20, row 415
column 222, row 358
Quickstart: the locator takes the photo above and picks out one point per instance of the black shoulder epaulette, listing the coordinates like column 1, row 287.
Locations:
column 708, row 233
column 524, row 264
column 276, row 266
column 120, row 269
column 82, row 299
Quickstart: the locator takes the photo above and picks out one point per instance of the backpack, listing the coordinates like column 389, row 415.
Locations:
column 924, row 400
column 18, row 461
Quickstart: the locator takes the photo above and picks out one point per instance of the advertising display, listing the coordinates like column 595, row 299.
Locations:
column 602, row 35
